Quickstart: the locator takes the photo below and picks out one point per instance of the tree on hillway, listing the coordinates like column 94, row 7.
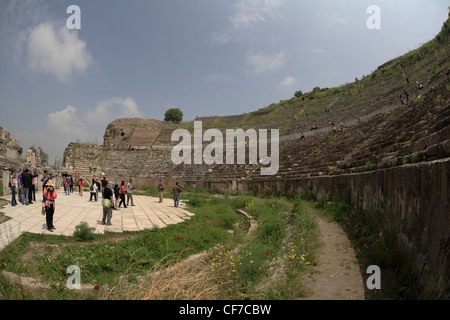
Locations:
column 298, row 94
column 173, row 115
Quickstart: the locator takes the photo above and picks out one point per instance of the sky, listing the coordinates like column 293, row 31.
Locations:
column 138, row 58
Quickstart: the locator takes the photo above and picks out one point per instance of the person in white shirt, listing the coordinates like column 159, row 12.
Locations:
column 130, row 188
column 93, row 190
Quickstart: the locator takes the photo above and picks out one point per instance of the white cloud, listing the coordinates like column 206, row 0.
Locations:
column 288, row 82
column 66, row 123
column 61, row 128
column 114, row 108
column 58, row 53
column 262, row 63
column 248, row 14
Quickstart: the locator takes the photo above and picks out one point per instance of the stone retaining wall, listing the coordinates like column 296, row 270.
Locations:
column 414, row 199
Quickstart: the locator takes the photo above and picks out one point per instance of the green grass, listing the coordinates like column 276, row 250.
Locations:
column 105, row 258
column 102, row 262
column 252, row 267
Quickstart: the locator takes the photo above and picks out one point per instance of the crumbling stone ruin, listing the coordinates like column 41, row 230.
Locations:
column 10, row 158
column 37, row 157
column 11, row 161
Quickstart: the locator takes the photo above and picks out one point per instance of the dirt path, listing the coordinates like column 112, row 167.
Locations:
column 337, row 275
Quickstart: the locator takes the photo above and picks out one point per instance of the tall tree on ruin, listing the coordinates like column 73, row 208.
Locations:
column 173, row 115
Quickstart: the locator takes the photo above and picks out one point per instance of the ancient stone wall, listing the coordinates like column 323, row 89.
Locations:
column 9, row 146
column 414, row 199
column 10, row 158
column 126, row 133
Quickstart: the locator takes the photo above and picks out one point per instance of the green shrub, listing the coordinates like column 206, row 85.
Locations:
column 369, row 166
column 321, row 203
column 83, row 232
column 195, row 202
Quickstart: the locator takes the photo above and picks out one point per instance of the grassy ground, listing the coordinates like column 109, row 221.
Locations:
column 3, row 218
column 285, row 240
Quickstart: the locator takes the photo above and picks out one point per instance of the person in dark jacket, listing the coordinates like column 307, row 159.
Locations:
column 108, row 202
column 44, row 180
column 104, row 182
column 176, row 194
column 27, row 182
column 116, row 195
column 32, row 191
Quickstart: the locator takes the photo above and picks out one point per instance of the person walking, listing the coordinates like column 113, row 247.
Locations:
column 20, row 186
column 26, row 181
column 44, row 181
column 50, row 195
column 71, row 184
column 14, row 187
column 176, row 194
column 123, row 191
column 80, row 187
column 116, row 195
column 160, row 191
column 130, row 188
column 66, row 186
column 108, row 203
column 97, row 182
column 104, row 182
column 34, row 177
column 93, row 189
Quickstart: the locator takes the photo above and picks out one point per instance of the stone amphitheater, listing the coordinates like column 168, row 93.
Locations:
column 391, row 156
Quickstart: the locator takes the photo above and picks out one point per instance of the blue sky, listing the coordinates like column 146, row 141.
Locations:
column 138, row 58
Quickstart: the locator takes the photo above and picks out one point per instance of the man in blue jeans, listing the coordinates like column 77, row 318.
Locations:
column 176, row 194
column 20, row 186
column 27, row 182
column 13, row 191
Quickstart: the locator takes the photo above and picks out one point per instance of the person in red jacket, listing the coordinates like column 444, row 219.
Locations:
column 80, row 186
column 50, row 196
column 123, row 191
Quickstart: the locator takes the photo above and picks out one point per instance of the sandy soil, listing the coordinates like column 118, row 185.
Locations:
column 337, row 274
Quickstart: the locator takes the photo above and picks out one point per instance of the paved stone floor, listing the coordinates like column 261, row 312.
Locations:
column 74, row 209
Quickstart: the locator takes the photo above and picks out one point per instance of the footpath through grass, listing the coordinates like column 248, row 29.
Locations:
column 284, row 243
